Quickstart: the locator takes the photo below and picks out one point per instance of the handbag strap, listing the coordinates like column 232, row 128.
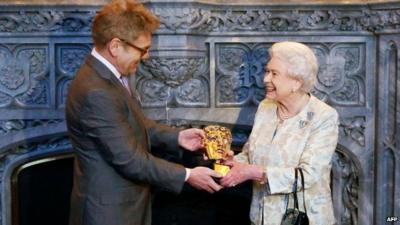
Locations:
column 295, row 201
column 294, row 191
column 302, row 185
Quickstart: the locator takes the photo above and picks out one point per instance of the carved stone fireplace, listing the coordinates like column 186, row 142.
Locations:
column 206, row 67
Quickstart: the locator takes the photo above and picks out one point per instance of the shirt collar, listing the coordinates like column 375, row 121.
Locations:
column 103, row 60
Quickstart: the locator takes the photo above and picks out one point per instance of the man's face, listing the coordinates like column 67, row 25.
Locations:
column 131, row 52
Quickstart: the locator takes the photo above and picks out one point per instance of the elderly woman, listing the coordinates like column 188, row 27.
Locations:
column 292, row 128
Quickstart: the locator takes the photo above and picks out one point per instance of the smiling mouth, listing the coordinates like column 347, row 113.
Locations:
column 269, row 89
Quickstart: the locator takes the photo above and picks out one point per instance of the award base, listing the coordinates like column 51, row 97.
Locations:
column 222, row 169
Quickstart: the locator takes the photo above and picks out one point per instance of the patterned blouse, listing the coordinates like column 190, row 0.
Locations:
column 307, row 140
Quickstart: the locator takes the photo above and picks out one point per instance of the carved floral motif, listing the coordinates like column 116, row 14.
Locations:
column 200, row 19
column 173, row 71
column 341, row 76
column 9, row 126
column 237, row 19
column 38, row 94
column 13, row 75
column 153, row 92
column 192, row 91
column 46, row 21
column 355, row 128
column 71, row 59
column 162, row 81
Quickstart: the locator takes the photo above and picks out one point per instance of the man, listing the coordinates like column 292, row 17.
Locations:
column 114, row 168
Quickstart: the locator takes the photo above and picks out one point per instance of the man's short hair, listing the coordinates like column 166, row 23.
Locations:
column 124, row 19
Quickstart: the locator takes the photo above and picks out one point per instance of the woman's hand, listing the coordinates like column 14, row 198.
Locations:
column 240, row 172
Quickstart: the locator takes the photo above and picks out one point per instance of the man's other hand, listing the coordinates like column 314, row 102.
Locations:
column 191, row 139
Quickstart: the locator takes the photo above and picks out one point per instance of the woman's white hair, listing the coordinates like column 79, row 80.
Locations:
column 300, row 60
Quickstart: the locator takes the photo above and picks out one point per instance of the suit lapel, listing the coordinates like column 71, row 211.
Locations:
column 133, row 103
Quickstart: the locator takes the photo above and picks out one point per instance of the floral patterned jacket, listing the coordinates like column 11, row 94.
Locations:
column 307, row 140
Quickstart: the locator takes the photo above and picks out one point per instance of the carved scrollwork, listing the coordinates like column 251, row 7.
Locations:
column 192, row 92
column 153, row 93
column 355, row 128
column 379, row 19
column 173, row 71
column 237, row 19
column 29, row 21
column 9, row 126
column 38, row 94
column 200, row 19
column 46, row 21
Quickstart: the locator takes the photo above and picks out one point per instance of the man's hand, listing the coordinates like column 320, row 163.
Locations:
column 201, row 178
column 191, row 139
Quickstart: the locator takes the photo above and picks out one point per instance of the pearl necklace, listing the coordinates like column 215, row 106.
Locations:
column 282, row 117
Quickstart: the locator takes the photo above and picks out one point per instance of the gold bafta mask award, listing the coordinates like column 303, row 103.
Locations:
column 218, row 144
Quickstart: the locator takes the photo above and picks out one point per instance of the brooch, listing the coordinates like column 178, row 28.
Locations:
column 303, row 123
column 310, row 115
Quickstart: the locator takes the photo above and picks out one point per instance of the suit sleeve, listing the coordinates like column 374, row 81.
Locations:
column 105, row 120
column 164, row 139
column 314, row 161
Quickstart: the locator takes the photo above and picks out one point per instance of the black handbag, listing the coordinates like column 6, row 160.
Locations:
column 293, row 216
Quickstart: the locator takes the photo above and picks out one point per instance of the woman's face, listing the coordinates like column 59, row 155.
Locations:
column 278, row 83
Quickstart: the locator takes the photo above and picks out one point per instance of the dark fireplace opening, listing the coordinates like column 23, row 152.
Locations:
column 41, row 191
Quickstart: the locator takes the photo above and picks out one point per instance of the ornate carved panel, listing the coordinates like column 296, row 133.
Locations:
column 214, row 19
column 9, row 126
column 240, row 71
column 24, row 76
column 45, row 20
column 239, row 74
column 172, row 82
column 68, row 60
column 341, row 76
